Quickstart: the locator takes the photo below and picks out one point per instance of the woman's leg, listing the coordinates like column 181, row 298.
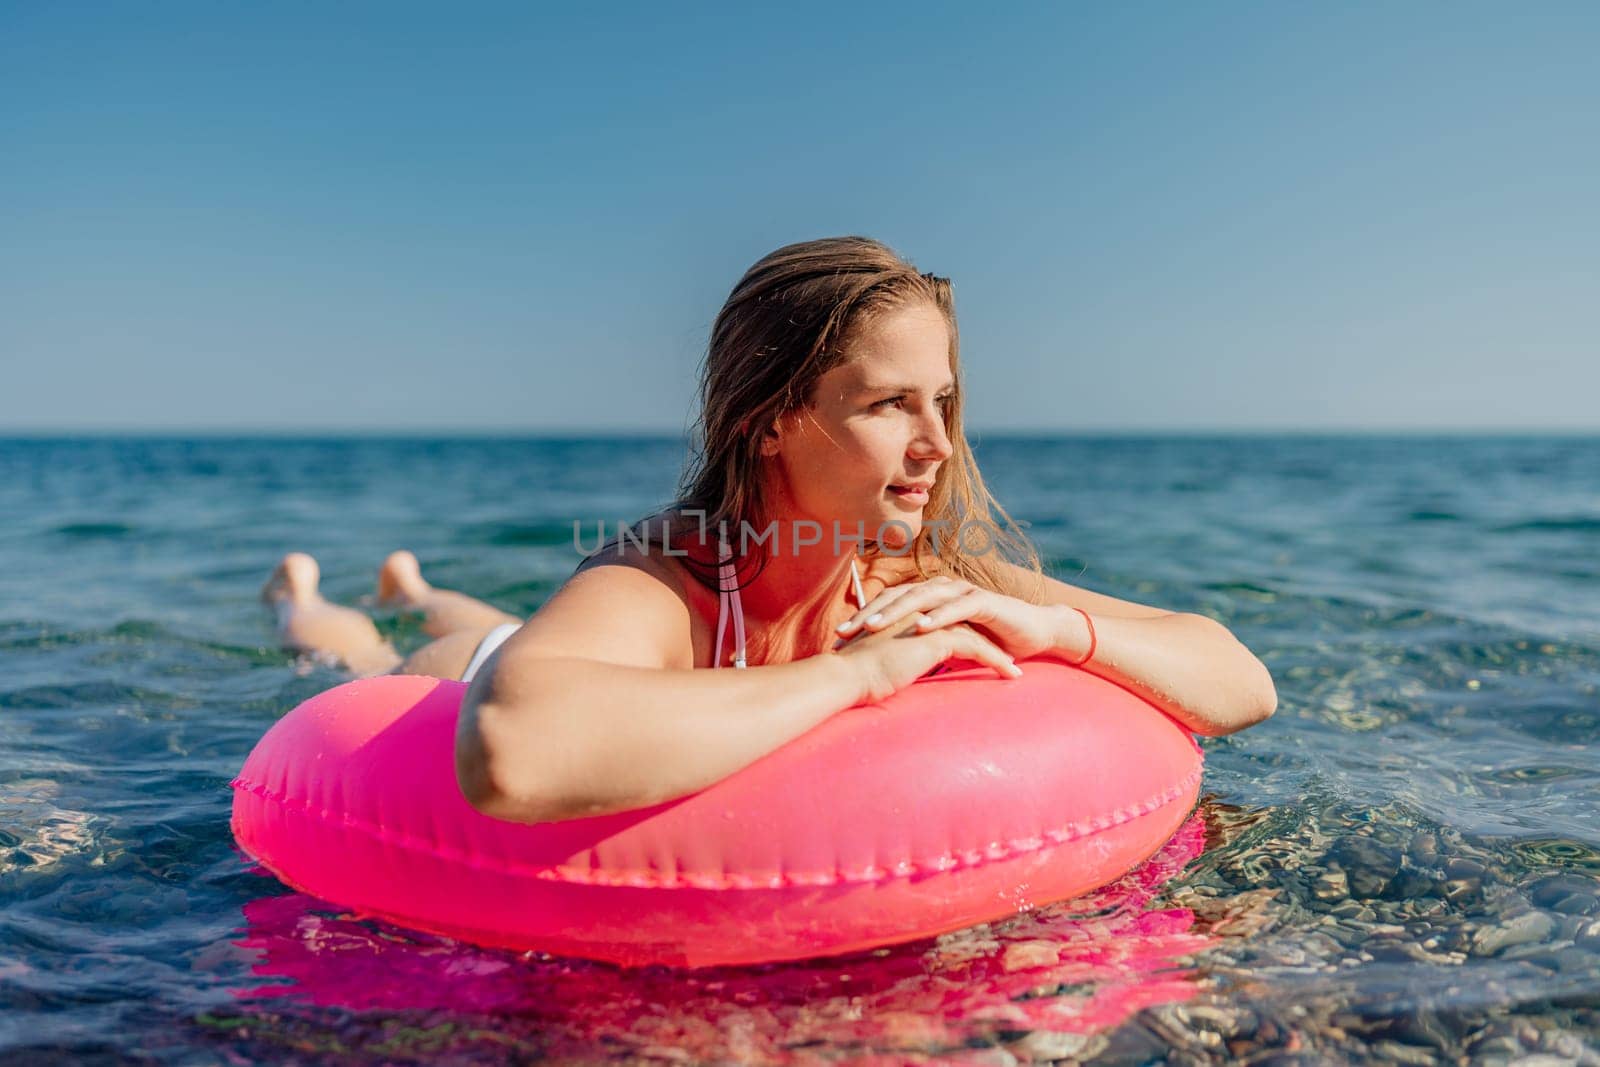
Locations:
column 308, row 623
column 447, row 657
column 444, row 612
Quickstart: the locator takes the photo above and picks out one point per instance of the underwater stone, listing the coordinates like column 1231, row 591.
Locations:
column 1331, row 885
column 1548, row 890
column 1409, row 884
column 1424, row 849
column 1524, row 929
column 1577, row 904
column 1368, row 865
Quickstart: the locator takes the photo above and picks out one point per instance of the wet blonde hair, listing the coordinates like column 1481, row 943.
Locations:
column 789, row 321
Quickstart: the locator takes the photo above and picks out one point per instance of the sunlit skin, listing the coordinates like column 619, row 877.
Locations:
column 876, row 420
column 309, row 623
column 883, row 413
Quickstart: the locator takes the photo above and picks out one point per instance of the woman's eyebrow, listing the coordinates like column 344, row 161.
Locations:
column 951, row 384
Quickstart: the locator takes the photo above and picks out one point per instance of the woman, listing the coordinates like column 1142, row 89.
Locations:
column 830, row 409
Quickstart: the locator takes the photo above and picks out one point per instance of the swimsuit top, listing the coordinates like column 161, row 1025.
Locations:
column 728, row 594
column 728, row 589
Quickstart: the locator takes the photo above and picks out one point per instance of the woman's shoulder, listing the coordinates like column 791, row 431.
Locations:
column 625, row 603
column 669, row 545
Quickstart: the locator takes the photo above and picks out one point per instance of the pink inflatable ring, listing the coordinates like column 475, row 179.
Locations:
column 962, row 799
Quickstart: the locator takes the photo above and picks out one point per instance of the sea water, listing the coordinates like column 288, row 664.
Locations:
column 1403, row 865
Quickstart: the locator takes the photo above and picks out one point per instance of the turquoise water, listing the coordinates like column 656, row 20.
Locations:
column 1402, row 866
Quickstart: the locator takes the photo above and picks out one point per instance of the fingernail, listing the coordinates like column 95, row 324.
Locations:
column 846, row 627
column 873, row 620
column 1015, row 671
column 923, row 620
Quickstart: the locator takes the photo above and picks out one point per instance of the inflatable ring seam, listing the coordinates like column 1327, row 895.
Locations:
column 875, row 873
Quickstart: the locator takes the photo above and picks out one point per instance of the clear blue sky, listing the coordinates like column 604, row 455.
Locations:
column 453, row 217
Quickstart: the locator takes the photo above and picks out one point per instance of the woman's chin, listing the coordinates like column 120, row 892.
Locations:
column 896, row 531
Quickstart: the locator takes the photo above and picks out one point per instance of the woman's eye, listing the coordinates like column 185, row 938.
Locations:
column 941, row 400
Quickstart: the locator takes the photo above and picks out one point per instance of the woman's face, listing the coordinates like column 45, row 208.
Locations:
column 871, row 443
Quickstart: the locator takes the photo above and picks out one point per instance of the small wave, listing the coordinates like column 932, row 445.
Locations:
column 1533, row 773
column 1253, row 590
column 41, row 833
column 123, row 644
column 91, row 530
column 531, row 593
column 1306, row 473
column 536, row 534
column 97, row 694
column 1555, row 523
column 1578, row 576
column 23, row 634
column 1432, row 516
column 1563, row 852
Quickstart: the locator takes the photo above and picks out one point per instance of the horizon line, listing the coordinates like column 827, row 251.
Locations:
column 654, row 433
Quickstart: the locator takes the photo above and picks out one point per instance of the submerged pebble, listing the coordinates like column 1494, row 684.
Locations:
column 1531, row 926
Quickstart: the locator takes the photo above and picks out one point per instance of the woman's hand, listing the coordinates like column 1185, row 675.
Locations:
column 1018, row 628
column 890, row 660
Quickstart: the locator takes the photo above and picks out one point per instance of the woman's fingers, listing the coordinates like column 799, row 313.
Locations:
column 860, row 633
column 874, row 614
column 900, row 657
column 967, row 607
column 902, row 601
column 853, row 629
column 967, row 643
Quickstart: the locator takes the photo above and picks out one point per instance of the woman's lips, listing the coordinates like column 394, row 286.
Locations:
column 909, row 495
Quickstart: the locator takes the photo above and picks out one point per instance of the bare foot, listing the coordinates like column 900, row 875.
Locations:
column 400, row 582
column 294, row 581
column 444, row 611
column 308, row 623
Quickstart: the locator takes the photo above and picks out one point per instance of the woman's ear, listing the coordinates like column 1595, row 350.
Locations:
column 771, row 439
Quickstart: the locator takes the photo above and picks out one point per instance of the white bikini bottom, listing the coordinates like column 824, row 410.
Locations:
column 491, row 641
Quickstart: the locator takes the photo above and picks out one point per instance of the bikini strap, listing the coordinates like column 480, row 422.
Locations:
column 728, row 590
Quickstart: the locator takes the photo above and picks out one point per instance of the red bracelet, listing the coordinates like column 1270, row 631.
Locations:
column 1093, row 641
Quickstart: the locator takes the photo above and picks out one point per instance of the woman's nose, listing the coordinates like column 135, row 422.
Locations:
column 932, row 443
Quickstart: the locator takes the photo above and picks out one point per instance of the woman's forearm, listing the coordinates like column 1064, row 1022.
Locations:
column 1189, row 666
column 562, row 738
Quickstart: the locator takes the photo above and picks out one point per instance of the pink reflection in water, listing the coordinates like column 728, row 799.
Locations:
column 1079, row 967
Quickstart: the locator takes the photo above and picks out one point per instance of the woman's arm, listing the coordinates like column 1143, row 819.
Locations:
column 1189, row 666
column 549, row 739
column 594, row 707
